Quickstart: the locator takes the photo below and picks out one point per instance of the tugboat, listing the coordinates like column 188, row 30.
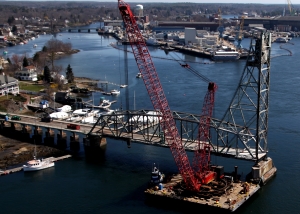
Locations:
column 156, row 176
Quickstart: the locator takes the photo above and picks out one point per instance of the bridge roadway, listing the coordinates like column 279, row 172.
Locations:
column 141, row 126
column 61, row 124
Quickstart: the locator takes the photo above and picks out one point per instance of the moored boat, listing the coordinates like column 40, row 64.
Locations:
column 38, row 164
column 225, row 56
column 115, row 92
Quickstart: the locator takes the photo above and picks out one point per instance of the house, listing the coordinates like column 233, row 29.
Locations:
column 8, row 85
column 27, row 73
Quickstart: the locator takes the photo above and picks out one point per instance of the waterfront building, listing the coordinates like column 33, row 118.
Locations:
column 27, row 73
column 8, row 85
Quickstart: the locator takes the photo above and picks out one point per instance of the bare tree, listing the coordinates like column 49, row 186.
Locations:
column 54, row 46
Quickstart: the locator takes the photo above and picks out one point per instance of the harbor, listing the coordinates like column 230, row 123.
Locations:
column 137, row 174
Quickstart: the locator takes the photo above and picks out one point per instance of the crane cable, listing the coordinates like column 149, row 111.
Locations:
column 189, row 68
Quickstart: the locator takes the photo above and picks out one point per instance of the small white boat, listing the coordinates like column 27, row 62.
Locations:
column 65, row 108
column 123, row 86
column 139, row 75
column 38, row 164
column 82, row 112
column 115, row 92
column 75, row 118
column 35, row 45
column 59, row 115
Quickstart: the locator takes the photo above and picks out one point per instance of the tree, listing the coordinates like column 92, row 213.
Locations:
column 45, row 49
column 10, row 20
column 14, row 29
column 25, row 62
column 47, row 74
column 53, row 46
column 69, row 74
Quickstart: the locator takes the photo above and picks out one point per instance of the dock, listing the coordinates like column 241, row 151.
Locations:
column 20, row 168
column 223, row 195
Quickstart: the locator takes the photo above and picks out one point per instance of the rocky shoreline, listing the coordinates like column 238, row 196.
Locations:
column 16, row 153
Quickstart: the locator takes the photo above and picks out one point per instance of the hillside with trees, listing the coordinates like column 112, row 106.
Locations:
column 77, row 13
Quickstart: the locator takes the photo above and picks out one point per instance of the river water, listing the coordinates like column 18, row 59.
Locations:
column 115, row 184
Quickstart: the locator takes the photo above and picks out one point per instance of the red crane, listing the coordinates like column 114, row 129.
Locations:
column 158, row 98
column 201, row 158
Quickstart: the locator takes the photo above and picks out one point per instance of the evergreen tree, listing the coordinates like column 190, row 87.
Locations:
column 45, row 49
column 36, row 57
column 25, row 62
column 47, row 74
column 69, row 74
column 14, row 29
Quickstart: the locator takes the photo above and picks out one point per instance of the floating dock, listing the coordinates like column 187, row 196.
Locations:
column 223, row 195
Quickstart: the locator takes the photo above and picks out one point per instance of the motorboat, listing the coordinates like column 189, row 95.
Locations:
column 115, row 92
column 281, row 40
column 222, row 55
column 59, row 115
column 65, row 108
column 82, row 112
column 75, row 118
column 123, row 86
column 139, row 75
column 38, row 164
column 89, row 119
column 35, row 45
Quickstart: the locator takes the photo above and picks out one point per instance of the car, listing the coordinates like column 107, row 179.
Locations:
column 15, row 117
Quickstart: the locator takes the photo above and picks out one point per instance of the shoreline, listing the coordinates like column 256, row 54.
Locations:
column 14, row 153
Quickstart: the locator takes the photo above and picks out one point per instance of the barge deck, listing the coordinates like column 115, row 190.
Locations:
column 225, row 194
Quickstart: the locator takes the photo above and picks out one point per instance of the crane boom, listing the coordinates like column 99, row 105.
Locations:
column 157, row 96
column 201, row 158
column 202, row 153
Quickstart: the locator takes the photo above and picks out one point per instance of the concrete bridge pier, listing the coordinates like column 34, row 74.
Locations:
column 49, row 137
column 61, row 142
column 94, row 147
column 26, row 130
column 74, row 143
column 37, row 137
column 13, row 130
column 2, row 125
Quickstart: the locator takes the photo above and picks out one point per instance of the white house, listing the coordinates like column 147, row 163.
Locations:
column 27, row 73
column 8, row 85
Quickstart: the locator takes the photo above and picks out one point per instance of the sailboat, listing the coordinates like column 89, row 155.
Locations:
column 37, row 164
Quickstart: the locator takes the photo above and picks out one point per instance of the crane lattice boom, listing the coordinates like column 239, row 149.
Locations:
column 202, row 153
column 157, row 96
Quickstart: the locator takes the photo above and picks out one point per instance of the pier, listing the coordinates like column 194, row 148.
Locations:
column 20, row 168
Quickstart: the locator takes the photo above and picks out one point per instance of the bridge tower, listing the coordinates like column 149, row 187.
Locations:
column 246, row 119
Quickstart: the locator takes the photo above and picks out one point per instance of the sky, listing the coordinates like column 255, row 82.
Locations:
column 293, row 2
